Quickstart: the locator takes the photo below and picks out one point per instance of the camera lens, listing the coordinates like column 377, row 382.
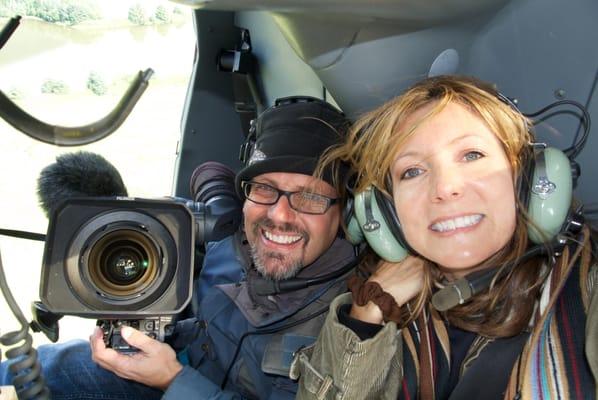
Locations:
column 123, row 263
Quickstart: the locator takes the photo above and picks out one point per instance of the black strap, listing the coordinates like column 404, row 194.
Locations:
column 23, row 234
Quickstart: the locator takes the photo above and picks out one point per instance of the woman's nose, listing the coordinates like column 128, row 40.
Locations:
column 448, row 183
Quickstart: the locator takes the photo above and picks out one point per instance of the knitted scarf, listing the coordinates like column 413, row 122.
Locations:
column 551, row 365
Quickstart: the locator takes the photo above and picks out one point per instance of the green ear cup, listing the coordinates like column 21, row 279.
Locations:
column 354, row 233
column 375, row 229
column 550, row 195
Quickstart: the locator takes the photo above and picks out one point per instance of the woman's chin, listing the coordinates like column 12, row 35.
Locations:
column 459, row 266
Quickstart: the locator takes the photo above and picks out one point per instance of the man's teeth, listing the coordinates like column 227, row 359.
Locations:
column 282, row 239
column 456, row 223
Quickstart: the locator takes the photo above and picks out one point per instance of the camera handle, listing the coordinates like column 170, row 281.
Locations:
column 45, row 321
column 29, row 385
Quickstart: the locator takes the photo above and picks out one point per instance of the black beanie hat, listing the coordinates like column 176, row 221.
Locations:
column 290, row 137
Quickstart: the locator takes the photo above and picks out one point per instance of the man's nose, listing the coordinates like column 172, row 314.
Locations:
column 281, row 211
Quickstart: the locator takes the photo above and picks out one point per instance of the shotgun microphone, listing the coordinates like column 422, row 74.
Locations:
column 80, row 174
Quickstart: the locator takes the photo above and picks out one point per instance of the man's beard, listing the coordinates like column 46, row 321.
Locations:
column 288, row 266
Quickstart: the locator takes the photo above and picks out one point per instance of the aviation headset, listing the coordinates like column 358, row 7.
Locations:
column 544, row 186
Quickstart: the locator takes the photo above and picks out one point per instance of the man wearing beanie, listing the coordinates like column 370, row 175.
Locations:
column 252, row 307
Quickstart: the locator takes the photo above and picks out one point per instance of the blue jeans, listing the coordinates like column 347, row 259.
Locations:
column 71, row 374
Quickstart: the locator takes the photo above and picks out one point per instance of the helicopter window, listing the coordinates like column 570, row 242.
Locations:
column 68, row 64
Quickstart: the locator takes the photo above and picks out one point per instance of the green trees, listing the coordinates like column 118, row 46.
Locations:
column 54, row 86
column 96, row 84
column 68, row 12
column 73, row 12
column 137, row 15
column 162, row 14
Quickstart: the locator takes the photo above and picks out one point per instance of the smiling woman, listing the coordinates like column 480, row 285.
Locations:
column 454, row 193
column 453, row 174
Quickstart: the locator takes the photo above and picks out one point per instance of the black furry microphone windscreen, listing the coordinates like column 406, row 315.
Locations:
column 80, row 174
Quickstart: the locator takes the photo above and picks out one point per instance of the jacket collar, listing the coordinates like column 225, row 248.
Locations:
column 265, row 310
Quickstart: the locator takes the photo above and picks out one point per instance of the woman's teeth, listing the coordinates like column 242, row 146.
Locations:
column 456, row 223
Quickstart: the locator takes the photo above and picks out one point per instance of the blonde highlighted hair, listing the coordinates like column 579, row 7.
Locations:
column 383, row 133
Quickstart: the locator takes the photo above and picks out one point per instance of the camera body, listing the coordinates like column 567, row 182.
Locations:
column 155, row 327
column 129, row 261
column 119, row 259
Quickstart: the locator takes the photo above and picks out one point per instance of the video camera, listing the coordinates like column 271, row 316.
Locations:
column 129, row 261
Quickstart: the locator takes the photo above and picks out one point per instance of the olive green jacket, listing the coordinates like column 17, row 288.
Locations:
column 341, row 366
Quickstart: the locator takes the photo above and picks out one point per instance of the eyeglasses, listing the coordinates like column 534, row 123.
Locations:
column 302, row 201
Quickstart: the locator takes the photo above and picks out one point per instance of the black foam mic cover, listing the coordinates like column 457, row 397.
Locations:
column 80, row 174
column 461, row 290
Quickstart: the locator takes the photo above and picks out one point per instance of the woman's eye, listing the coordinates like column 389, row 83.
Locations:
column 411, row 173
column 473, row 155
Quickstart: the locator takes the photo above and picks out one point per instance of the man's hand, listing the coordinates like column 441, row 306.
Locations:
column 154, row 365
